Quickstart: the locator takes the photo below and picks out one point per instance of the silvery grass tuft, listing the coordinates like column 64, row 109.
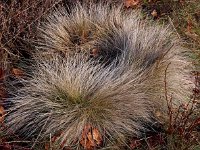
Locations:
column 66, row 95
column 143, row 63
column 85, row 29
column 108, row 33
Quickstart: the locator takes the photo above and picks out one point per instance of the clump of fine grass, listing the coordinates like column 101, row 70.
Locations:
column 66, row 93
column 105, row 33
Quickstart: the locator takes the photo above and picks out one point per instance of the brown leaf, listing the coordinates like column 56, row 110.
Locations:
column 154, row 13
column 2, row 114
column 17, row 72
column 158, row 114
column 3, row 93
column 46, row 147
column 131, row 3
column 97, row 136
column 91, row 138
column 189, row 25
column 135, row 143
column 94, row 52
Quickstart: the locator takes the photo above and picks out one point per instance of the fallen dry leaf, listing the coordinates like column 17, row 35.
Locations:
column 46, row 147
column 91, row 138
column 189, row 25
column 135, row 143
column 131, row 3
column 2, row 114
column 17, row 72
column 154, row 13
column 94, row 137
column 94, row 52
column 158, row 114
column 2, row 93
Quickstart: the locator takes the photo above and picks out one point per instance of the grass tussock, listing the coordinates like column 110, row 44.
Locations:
column 65, row 96
column 67, row 93
column 86, row 101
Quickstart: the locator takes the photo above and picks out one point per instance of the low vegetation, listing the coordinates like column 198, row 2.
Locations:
column 19, row 20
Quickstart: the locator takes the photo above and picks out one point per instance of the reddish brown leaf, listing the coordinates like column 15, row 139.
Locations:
column 94, row 52
column 131, row 3
column 46, row 147
column 154, row 13
column 189, row 25
column 3, row 93
column 17, row 72
column 135, row 143
column 91, row 138
column 2, row 114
